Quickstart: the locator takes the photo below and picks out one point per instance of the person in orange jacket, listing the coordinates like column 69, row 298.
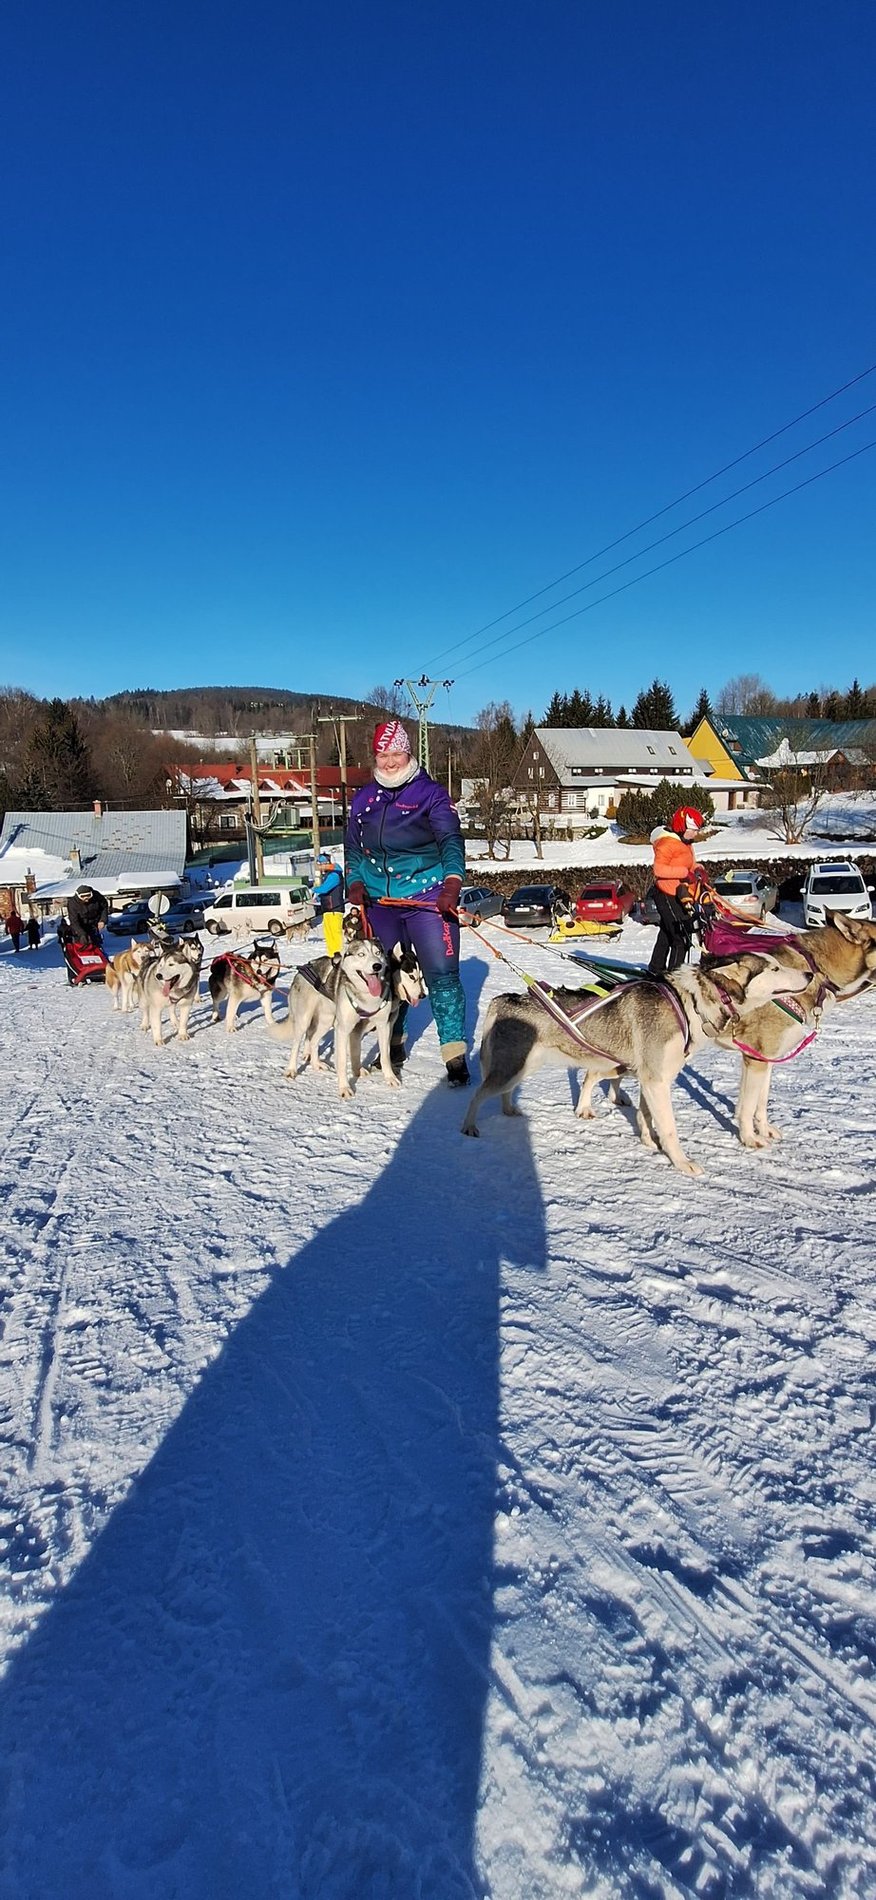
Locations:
column 674, row 865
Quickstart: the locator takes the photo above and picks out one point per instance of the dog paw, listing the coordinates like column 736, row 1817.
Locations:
column 392, row 1081
column 470, row 1131
column 691, row 1168
column 584, row 1112
column 346, row 1095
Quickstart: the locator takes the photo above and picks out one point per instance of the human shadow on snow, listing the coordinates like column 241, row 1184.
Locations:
column 268, row 1677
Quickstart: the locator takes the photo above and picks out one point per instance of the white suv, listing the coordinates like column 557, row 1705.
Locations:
column 834, row 887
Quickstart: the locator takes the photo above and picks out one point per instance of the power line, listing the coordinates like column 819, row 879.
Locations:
column 682, row 526
column 672, row 558
column 657, row 516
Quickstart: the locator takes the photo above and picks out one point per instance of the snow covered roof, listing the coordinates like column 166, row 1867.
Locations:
column 112, row 849
column 573, row 750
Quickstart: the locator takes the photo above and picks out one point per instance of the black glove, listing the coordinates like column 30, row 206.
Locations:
column 447, row 901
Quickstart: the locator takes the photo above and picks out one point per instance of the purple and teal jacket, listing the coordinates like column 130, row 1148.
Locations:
column 405, row 840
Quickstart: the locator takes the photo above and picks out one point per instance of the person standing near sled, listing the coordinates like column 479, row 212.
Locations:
column 328, row 895
column 88, row 911
column 674, row 866
column 405, row 862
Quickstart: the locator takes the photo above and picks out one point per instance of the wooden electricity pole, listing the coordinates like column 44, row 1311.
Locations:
column 340, row 722
column 256, row 811
column 314, row 802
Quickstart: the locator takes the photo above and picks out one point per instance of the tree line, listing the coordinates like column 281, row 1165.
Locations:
column 655, row 708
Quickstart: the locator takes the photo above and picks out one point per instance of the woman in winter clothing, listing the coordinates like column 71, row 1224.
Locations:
column 329, row 895
column 404, row 843
column 674, row 864
column 34, row 932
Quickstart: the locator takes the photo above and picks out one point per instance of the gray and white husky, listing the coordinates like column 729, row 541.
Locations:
column 170, row 982
column 645, row 1028
column 349, row 993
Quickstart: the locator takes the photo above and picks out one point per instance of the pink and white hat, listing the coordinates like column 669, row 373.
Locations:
column 390, row 737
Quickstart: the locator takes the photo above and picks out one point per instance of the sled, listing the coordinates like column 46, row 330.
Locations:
column 565, row 928
column 86, row 963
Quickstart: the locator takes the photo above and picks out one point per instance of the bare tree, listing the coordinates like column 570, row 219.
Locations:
column 794, row 792
column 747, row 693
column 389, row 699
column 492, row 764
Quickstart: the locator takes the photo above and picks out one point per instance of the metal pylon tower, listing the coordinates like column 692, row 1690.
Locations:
column 421, row 693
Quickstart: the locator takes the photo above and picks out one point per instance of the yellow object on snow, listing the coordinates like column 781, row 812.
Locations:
column 581, row 927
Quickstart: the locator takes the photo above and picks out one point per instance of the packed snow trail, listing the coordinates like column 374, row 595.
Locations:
column 395, row 1517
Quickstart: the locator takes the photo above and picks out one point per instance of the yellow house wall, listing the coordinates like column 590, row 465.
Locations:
column 705, row 744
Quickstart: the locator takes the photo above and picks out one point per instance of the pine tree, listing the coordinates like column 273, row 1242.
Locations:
column 580, row 709
column 813, row 705
column 654, row 709
column 57, row 774
column 702, row 710
column 854, row 706
column 556, row 712
column 602, row 714
column 623, row 718
column 832, row 705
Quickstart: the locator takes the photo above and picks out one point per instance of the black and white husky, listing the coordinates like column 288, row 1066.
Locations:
column 349, row 993
column 170, row 982
column 236, row 979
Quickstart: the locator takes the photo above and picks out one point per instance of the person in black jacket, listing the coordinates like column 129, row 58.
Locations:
column 88, row 912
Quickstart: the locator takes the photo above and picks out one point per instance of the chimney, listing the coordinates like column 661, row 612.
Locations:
column 98, row 808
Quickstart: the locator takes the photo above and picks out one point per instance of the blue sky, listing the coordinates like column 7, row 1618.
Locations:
column 330, row 332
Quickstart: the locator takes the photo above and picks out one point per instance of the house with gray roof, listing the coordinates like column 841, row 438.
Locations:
column 578, row 773
column 46, row 854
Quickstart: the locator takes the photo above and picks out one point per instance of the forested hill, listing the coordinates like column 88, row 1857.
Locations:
column 215, row 709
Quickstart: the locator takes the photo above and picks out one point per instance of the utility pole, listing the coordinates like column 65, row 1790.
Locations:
column 340, row 722
column 314, row 803
column 421, row 693
column 255, row 852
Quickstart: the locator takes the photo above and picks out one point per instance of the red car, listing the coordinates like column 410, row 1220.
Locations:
column 607, row 903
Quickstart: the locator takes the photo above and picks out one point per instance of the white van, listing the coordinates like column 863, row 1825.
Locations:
column 248, row 909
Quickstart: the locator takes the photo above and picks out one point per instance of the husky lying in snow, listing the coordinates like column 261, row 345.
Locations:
column 235, row 979
column 646, row 1028
column 348, row 993
column 123, row 974
column 170, row 982
column 830, row 965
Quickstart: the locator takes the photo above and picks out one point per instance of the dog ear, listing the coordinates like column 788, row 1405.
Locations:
column 397, row 953
column 851, row 928
column 336, row 959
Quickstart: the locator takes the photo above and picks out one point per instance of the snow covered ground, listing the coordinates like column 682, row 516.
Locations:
column 389, row 1516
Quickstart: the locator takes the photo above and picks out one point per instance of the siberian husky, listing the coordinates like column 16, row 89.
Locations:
column 170, row 982
column 236, row 979
column 349, row 993
column 648, row 1028
column 833, row 963
column 123, row 974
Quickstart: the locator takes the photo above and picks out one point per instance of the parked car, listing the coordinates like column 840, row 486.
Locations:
column 607, row 903
column 645, row 909
column 747, row 890
column 186, row 913
column 476, row 903
column 837, row 886
column 131, row 920
column 534, row 904
column 247, row 908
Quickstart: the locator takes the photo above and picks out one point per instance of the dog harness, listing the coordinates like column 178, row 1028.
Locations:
column 569, row 1020
column 243, row 968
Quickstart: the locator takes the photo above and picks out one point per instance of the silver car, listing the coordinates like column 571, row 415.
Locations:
column 476, row 903
column 747, row 890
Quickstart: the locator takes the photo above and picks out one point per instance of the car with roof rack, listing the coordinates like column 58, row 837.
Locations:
column 835, row 886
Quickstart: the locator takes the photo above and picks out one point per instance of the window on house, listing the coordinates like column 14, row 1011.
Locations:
column 541, row 771
column 652, row 752
column 572, row 800
column 672, row 750
column 530, row 773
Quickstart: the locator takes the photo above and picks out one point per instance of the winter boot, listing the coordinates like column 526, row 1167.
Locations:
column 457, row 1072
